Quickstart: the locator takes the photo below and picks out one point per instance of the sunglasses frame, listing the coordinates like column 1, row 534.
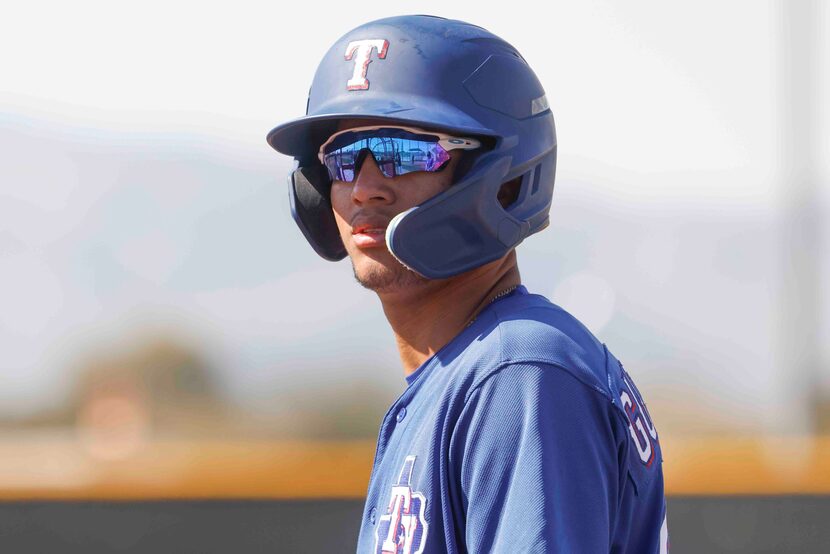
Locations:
column 445, row 141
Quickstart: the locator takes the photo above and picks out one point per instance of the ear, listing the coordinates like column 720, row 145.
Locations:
column 309, row 194
column 509, row 192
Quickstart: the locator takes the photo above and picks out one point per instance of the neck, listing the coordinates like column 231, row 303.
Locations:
column 426, row 318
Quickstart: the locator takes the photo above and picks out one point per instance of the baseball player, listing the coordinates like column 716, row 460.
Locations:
column 426, row 155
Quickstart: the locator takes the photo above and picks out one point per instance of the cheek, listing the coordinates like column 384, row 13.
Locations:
column 338, row 200
column 424, row 186
column 337, row 204
column 340, row 204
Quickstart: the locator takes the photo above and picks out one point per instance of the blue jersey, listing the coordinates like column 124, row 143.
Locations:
column 523, row 434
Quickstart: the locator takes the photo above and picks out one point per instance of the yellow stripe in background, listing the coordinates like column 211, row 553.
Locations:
column 746, row 465
column 59, row 466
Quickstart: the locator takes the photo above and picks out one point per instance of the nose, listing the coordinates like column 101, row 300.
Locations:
column 370, row 185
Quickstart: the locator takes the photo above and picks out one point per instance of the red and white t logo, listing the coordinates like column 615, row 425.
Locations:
column 363, row 48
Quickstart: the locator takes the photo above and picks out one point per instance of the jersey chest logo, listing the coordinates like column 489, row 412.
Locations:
column 403, row 529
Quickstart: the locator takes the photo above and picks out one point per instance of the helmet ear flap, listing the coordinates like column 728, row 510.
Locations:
column 309, row 195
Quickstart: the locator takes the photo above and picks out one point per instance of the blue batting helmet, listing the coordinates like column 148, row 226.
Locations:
column 440, row 74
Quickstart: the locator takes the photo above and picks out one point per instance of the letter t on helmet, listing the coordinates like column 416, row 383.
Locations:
column 361, row 51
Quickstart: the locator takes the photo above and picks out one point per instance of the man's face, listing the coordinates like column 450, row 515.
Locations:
column 363, row 210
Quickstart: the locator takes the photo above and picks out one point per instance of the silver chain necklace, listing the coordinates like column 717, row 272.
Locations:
column 503, row 293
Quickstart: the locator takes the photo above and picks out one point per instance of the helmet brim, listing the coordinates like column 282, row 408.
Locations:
column 302, row 137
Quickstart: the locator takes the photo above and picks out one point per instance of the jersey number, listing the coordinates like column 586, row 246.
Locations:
column 639, row 422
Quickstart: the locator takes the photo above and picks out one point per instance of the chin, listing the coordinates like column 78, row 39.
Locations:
column 388, row 275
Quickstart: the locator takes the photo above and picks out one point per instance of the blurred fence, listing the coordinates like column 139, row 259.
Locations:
column 734, row 524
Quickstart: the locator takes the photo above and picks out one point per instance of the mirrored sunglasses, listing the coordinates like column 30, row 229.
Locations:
column 396, row 150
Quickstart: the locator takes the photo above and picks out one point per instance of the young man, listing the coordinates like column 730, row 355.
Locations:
column 427, row 154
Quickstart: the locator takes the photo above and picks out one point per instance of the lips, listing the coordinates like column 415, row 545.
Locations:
column 368, row 228
column 369, row 233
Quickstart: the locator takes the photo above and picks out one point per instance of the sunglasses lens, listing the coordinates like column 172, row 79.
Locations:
column 396, row 152
column 341, row 164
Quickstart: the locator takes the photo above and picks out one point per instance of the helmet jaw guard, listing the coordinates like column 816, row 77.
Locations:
column 466, row 227
column 454, row 231
column 450, row 76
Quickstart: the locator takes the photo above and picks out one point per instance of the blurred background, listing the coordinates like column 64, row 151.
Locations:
column 173, row 353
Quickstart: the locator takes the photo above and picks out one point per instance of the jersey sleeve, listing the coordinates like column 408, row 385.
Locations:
column 535, row 453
